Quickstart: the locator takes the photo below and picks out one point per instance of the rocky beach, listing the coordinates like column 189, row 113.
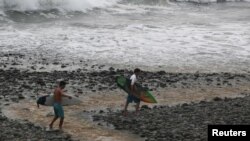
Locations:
column 187, row 122
column 200, row 99
column 12, row 130
column 194, row 56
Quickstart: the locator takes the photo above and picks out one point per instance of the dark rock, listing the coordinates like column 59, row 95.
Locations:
column 33, row 68
column 184, row 105
column 14, row 64
column 217, row 99
column 163, row 85
column 161, row 73
column 20, row 96
column 145, row 107
column 111, row 69
column 63, row 66
column 26, row 86
column 14, row 99
column 55, row 63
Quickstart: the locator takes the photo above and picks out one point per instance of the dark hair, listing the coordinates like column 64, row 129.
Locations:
column 137, row 70
column 62, row 83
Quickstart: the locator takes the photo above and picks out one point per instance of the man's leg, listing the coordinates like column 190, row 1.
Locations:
column 61, row 123
column 125, row 112
column 51, row 124
column 55, row 117
column 137, row 100
column 137, row 107
column 61, row 115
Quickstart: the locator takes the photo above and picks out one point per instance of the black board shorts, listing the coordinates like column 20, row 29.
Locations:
column 131, row 98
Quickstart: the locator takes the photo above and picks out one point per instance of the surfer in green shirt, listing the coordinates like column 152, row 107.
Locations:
column 131, row 97
column 58, row 108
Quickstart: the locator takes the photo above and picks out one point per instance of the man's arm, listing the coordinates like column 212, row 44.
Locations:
column 64, row 95
column 132, row 88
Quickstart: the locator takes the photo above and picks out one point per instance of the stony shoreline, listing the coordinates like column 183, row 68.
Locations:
column 182, row 122
column 16, row 85
column 12, row 130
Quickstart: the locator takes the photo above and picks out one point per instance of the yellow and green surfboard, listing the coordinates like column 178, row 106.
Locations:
column 142, row 93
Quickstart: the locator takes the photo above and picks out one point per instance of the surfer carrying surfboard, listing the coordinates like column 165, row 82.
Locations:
column 58, row 108
column 131, row 97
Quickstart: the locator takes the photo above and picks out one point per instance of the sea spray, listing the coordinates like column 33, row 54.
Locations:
column 67, row 5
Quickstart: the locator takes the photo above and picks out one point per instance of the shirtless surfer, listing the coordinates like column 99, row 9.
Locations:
column 58, row 108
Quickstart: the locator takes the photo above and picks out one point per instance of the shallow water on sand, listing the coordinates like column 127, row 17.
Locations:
column 78, row 121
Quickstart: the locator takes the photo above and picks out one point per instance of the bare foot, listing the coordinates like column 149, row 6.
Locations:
column 60, row 128
column 125, row 113
column 136, row 113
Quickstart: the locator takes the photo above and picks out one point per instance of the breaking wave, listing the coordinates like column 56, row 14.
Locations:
column 61, row 5
column 82, row 5
column 17, row 10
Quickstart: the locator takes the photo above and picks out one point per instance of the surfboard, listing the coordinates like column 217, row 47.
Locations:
column 141, row 92
column 48, row 100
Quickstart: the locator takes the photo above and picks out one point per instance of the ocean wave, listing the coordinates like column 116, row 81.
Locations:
column 166, row 2
column 37, row 10
column 84, row 5
column 147, row 2
column 61, row 5
column 210, row 1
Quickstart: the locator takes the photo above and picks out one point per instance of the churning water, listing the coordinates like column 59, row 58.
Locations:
column 183, row 35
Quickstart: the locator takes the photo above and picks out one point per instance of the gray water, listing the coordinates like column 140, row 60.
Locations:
column 152, row 34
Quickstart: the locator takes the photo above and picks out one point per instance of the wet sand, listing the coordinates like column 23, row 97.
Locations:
column 79, row 122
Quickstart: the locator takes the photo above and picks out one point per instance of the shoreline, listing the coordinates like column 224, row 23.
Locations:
column 99, row 94
column 182, row 122
column 17, row 130
column 41, row 63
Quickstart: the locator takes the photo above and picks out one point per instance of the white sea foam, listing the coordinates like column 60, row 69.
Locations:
column 181, row 37
column 68, row 5
column 212, row 1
